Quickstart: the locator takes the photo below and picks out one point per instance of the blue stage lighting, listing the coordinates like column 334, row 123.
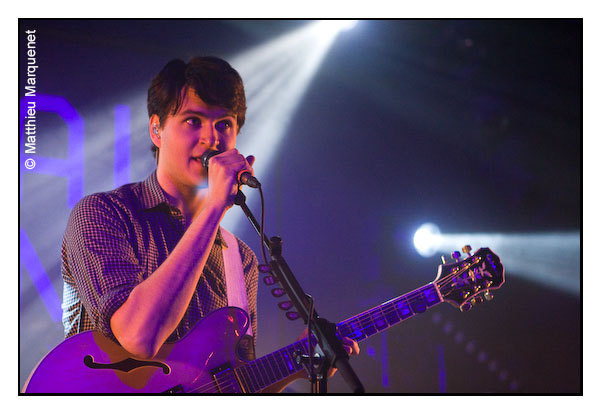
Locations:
column 427, row 239
column 552, row 259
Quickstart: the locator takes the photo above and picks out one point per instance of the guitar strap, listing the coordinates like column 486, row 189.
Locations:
column 234, row 275
column 81, row 316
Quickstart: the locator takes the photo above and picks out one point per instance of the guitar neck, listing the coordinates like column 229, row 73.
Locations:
column 274, row 367
column 389, row 313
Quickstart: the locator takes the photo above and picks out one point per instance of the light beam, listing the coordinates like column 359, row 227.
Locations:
column 551, row 259
column 276, row 76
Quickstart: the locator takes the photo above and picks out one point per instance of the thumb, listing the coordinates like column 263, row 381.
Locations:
column 251, row 160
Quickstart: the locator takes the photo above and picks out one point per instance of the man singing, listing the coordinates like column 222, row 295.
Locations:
column 145, row 262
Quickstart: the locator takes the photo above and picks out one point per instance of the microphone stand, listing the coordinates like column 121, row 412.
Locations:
column 324, row 331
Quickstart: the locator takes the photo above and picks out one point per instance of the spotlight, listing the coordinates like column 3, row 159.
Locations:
column 427, row 239
column 552, row 259
column 276, row 76
column 332, row 27
column 346, row 24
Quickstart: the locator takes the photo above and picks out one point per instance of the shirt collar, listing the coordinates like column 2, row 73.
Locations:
column 153, row 195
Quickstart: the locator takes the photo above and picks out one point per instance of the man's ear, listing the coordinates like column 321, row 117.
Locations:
column 154, row 129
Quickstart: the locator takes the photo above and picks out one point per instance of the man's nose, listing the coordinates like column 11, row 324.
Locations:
column 210, row 136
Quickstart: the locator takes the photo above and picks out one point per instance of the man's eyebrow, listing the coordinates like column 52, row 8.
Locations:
column 205, row 115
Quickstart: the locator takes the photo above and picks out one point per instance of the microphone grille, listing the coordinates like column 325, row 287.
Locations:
column 204, row 160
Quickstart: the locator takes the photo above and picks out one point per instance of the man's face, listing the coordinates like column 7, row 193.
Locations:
column 187, row 135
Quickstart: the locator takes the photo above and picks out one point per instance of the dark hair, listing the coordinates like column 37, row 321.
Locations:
column 213, row 80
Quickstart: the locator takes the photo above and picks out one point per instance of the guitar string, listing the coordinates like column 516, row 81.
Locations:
column 231, row 381
column 285, row 368
column 412, row 298
column 409, row 299
column 364, row 320
column 389, row 308
column 271, row 360
column 254, row 381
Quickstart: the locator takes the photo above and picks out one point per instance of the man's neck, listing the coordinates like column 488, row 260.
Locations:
column 189, row 200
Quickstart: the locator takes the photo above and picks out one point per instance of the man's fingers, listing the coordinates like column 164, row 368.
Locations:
column 351, row 347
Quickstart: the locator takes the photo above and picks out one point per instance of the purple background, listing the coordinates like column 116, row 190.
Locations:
column 472, row 124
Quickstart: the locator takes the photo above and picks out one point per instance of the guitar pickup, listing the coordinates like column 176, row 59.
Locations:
column 225, row 379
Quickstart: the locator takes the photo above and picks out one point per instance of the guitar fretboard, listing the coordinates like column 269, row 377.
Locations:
column 389, row 313
column 271, row 368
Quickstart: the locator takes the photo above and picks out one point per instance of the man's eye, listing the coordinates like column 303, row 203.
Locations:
column 193, row 122
column 224, row 125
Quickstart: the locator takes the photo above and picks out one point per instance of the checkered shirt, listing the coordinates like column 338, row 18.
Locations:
column 115, row 240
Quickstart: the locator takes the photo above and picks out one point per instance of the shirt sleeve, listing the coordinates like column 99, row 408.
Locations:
column 104, row 265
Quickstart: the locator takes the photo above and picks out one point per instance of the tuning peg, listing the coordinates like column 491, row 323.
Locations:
column 292, row 315
column 467, row 249
column 264, row 268
column 488, row 295
column 476, row 300
column 285, row 305
column 277, row 292
column 456, row 255
column 269, row 280
column 443, row 259
column 465, row 307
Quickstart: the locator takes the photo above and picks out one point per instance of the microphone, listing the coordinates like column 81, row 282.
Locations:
column 244, row 176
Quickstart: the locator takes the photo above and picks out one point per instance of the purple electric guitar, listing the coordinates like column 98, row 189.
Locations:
column 206, row 360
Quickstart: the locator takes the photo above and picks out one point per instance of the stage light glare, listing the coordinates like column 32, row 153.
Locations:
column 427, row 239
column 329, row 28
column 276, row 76
column 347, row 24
column 551, row 259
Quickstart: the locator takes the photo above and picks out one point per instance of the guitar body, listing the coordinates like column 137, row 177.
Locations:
column 206, row 359
column 91, row 363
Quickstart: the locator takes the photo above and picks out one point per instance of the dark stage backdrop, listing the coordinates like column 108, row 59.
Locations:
column 474, row 125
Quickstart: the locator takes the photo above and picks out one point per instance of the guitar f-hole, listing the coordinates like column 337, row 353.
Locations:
column 126, row 365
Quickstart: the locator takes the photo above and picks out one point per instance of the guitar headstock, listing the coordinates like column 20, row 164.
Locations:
column 467, row 282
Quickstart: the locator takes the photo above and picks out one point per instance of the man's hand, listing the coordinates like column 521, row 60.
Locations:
column 350, row 346
column 223, row 176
